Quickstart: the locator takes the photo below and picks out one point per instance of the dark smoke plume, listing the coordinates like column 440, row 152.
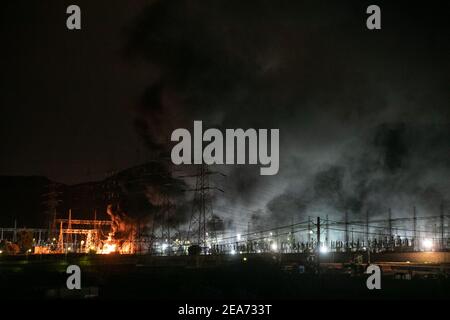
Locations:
column 363, row 117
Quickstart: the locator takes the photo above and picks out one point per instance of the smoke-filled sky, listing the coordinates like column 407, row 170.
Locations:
column 364, row 116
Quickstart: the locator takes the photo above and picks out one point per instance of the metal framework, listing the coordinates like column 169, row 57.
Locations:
column 91, row 235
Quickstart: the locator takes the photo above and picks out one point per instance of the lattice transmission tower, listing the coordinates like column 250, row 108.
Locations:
column 202, row 223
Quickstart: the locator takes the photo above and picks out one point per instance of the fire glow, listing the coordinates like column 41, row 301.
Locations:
column 120, row 238
column 108, row 248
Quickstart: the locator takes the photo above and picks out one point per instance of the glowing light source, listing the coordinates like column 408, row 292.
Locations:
column 245, row 259
column 274, row 247
column 238, row 237
column 1, row 251
column 108, row 248
column 323, row 249
column 233, row 252
column 427, row 244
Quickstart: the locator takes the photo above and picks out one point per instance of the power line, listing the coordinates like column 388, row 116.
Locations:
column 372, row 233
column 267, row 230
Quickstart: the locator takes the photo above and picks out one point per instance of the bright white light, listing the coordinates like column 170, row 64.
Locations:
column 310, row 232
column 1, row 251
column 274, row 247
column 271, row 234
column 258, row 251
column 427, row 243
column 238, row 237
column 323, row 249
column 164, row 246
column 233, row 252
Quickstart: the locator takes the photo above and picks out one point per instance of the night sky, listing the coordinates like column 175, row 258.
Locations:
column 363, row 115
column 67, row 97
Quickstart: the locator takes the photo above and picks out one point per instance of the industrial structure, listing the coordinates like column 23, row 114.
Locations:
column 309, row 236
column 152, row 230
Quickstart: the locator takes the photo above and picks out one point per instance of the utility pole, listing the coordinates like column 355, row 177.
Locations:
column 309, row 230
column 292, row 238
column 327, row 233
column 69, row 227
column 248, row 236
column 389, row 222
column 166, row 208
column 346, row 230
column 318, row 245
column 60, row 238
column 415, row 244
column 367, row 237
column 367, row 229
column 353, row 241
column 389, row 227
column 318, row 232
column 435, row 234
column 442, row 227
column 278, row 240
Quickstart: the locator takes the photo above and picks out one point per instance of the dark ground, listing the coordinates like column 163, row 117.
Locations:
column 112, row 277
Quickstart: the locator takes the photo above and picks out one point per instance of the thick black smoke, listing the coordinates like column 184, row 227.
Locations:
column 148, row 195
column 363, row 115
